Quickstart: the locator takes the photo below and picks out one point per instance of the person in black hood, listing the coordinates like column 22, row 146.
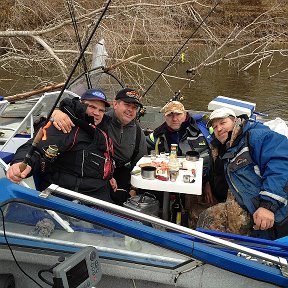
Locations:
column 81, row 160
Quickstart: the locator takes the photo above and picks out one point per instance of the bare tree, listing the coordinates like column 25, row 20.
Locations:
column 38, row 40
column 250, row 45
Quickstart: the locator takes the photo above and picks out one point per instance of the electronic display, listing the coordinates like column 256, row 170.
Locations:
column 81, row 270
column 77, row 275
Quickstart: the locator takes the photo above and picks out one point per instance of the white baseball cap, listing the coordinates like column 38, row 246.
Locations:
column 220, row 113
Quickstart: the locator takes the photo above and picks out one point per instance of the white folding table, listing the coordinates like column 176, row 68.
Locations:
column 167, row 186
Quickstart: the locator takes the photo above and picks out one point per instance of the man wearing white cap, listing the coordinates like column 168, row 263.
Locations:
column 255, row 165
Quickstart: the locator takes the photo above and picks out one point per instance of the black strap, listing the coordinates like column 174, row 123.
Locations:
column 137, row 144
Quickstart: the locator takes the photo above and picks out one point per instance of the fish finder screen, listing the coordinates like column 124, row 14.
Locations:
column 77, row 274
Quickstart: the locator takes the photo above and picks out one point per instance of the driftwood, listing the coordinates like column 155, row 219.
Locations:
column 26, row 95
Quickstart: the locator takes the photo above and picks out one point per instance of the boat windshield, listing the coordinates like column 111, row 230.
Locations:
column 26, row 225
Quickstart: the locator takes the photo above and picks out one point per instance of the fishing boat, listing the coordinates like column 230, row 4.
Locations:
column 44, row 237
column 39, row 227
column 130, row 252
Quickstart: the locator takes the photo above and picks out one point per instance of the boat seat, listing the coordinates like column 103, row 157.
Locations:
column 6, row 156
column 238, row 106
column 3, row 104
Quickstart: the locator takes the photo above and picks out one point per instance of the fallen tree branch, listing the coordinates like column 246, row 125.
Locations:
column 114, row 66
column 60, row 63
column 26, row 95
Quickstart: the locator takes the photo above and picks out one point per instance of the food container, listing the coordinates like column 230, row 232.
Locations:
column 162, row 173
column 148, row 172
column 192, row 156
column 144, row 203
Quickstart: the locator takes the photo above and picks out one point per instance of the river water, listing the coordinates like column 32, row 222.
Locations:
column 270, row 95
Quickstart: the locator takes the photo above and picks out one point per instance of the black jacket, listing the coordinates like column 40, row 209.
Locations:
column 188, row 137
column 79, row 161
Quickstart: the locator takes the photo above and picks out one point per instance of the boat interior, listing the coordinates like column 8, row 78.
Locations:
column 131, row 245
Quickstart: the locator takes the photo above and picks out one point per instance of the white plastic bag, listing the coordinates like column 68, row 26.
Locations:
column 278, row 125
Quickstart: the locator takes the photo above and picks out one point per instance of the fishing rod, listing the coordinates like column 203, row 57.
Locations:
column 84, row 63
column 179, row 50
column 39, row 134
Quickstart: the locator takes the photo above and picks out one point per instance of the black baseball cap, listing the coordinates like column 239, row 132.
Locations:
column 129, row 95
column 95, row 94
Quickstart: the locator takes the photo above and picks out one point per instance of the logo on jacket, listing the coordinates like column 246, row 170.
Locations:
column 241, row 161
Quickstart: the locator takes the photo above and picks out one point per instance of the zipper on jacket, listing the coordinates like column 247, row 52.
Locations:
column 229, row 176
column 98, row 156
column 82, row 164
column 121, row 134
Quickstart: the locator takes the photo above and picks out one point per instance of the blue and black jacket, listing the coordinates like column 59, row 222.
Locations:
column 188, row 137
column 256, row 169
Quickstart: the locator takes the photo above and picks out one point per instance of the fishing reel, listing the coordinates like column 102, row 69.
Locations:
column 50, row 154
column 177, row 97
column 141, row 113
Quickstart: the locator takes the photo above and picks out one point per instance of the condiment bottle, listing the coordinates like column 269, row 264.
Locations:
column 173, row 164
column 176, row 210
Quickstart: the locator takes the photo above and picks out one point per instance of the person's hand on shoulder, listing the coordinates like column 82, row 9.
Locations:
column 263, row 219
column 15, row 175
column 61, row 121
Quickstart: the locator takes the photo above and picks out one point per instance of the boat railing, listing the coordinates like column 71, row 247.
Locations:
column 55, row 189
column 101, row 215
column 39, row 107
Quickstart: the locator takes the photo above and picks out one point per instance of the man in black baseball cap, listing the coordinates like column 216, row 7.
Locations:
column 129, row 95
